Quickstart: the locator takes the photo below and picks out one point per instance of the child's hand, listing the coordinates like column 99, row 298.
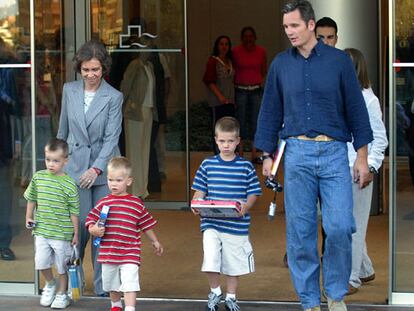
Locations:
column 75, row 239
column 96, row 231
column 158, row 249
column 244, row 209
column 195, row 211
column 29, row 222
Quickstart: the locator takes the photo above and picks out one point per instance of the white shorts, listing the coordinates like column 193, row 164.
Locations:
column 49, row 252
column 120, row 278
column 225, row 253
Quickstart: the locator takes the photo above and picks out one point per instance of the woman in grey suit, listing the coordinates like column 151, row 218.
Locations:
column 90, row 121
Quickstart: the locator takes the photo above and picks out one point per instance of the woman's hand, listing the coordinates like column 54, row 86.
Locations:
column 88, row 178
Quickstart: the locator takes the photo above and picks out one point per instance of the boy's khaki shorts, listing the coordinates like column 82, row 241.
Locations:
column 120, row 278
column 228, row 254
column 49, row 252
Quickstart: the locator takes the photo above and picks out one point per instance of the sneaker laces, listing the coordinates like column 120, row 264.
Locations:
column 213, row 300
column 232, row 305
column 48, row 289
column 60, row 297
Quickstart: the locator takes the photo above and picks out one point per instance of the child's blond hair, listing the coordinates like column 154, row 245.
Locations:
column 120, row 163
column 227, row 125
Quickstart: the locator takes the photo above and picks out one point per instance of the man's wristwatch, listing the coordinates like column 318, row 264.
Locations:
column 265, row 156
column 373, row 170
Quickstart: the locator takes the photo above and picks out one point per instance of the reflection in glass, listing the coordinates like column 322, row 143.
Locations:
column 153, row 84
column 16, row 255
column 404, row 110
column 404, row 30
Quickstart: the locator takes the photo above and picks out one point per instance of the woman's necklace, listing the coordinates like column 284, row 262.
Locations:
column 228, row 65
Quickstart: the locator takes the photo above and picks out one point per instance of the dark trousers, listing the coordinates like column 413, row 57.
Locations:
column 5, row 204
column 154, row 181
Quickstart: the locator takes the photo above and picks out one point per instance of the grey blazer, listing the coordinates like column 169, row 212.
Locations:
column 92, row 136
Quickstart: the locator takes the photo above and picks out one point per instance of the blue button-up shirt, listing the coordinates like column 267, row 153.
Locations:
column 312, row 96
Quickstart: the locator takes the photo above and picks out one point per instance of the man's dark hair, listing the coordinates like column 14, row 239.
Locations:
column 55, row 144
column 304, row 7
column 327, row 22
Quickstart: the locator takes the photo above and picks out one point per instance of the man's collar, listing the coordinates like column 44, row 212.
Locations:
column 317, row 50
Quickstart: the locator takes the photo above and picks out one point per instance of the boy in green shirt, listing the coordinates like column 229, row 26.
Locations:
column 53, row 197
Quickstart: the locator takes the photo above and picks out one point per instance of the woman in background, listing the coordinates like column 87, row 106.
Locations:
column 362, row 269
column 250, row 63
column 219, row 78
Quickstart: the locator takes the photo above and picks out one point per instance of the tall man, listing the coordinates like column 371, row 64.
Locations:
column 313, row 100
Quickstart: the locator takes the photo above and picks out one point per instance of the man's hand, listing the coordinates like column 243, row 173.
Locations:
column 267, row 167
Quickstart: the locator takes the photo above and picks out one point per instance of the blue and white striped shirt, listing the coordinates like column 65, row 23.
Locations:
column 229, row 181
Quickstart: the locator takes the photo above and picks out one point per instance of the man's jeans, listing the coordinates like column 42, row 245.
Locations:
column 312, row 170
column 361, row 263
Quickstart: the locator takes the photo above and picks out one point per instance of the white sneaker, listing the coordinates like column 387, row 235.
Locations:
column 48, row 294
column 61, row 302
column 336, row 305
column 314, row 309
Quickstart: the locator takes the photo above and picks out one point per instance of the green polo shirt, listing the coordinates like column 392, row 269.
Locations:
column 56, row 200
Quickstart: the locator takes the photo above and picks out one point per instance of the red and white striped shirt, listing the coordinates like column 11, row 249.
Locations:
column 127, row 218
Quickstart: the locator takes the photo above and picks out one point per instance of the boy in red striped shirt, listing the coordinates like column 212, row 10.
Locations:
column 120, row 246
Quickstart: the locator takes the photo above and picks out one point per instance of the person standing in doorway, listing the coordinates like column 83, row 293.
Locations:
column 90, row 121
column 313, row 100
column 362, row 269
column 327, row 31
column 8, row 148
column 219, row 78
column 250, row 63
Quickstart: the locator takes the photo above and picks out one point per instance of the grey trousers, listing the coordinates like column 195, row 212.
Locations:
column 361, row 263
column 88, row 199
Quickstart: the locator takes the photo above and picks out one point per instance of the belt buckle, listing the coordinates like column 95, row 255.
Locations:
column 319, row 138
column 323, row 138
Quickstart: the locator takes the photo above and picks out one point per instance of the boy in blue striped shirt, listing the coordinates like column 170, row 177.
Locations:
column 227, row 249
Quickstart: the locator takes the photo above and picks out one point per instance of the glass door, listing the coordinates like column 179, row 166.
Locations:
column 16, row 116
column 146, row 40
column 402, row 150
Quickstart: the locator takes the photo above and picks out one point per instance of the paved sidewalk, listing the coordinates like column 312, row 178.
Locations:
column 20, row 303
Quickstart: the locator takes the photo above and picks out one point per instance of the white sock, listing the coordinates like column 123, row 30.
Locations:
column 230, row 296
column 129, row 308
column 116, row 304
column 216, row 291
